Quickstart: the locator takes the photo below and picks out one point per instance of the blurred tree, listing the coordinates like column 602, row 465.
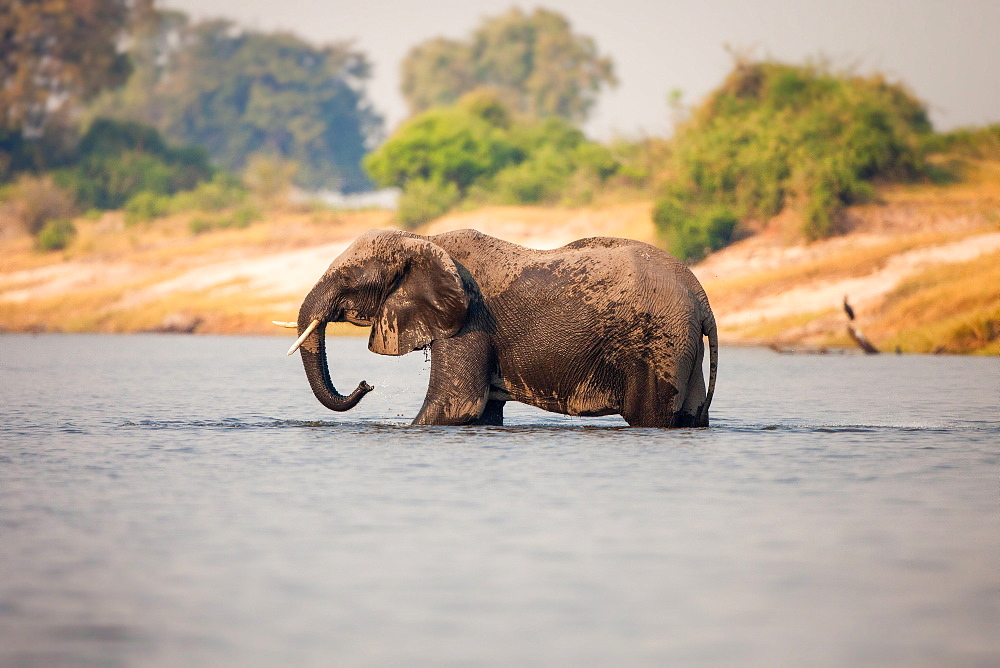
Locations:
column 269, row 178
column 436, row 73
column 477, row 151
column 55, row 54
column 240, row 93
column 535, row 63
column 776, row 137
column 117, row 160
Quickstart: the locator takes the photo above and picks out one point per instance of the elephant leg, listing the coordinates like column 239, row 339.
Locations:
column 458, row 390
column 650, row 400
column 492, row 415
column 690, row 414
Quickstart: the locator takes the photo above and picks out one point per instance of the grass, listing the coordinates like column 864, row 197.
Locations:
column 145, row 254
column 951, row 308
column 853, row 261
column 783, row 328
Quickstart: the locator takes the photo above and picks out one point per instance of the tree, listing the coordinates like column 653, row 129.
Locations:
column 436, row 73
column 55, row 54
column 535, row 63
column 117, row 160
column 242, row 93
column 478, row 151
column 775, row 136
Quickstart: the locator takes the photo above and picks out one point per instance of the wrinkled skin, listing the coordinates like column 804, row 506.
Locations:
column 598, row 327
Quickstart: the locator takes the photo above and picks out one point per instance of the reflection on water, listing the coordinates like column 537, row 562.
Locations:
column 185, row 500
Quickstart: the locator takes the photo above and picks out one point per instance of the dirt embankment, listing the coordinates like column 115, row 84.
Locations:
column 769, row 288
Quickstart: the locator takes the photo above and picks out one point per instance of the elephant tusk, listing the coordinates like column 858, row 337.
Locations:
column 298, row 342
column 282, row 323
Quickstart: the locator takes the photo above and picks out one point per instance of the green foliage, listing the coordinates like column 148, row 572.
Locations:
column 535, row 63
column 239, row 218
column 55, row 235
column 554, row 153
column 478, row 151
column 448, row 145
column 642, row 164
column 240, row 93
column 242, row 217
column 120, row 159
column 14, row 156
column 222, row 192
column 776, row 136
column 20, row 153
column 425, row 200
column 200, row 225
column 146, row 206
column 693, row 232
column 976, row 143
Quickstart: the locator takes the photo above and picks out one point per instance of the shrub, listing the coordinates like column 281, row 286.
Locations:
column 978, row 143
column 442, row 145
column 478, row 150
column 422, row 201
column 55, row 235
column 239, row 219
column 118, row 160
column 146, row 206
column 776, row 135
column 222, row 192
column 692, row 233
column 199, row 225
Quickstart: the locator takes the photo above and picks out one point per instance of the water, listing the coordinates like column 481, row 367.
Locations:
column 185, row 501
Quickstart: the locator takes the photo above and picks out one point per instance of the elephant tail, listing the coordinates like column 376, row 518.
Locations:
column 709, row 329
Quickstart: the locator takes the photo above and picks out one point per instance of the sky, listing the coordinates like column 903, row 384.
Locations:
column 945, row 51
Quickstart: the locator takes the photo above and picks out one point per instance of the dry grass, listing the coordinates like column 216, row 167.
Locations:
column 788, row 329
column 951, row 308
column 125, row 260
column 849, row 262
column 979, row 185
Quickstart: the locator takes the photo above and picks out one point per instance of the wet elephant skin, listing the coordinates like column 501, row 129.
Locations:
column 600, row 326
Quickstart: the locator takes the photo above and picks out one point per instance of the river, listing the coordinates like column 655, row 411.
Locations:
column 179, row 500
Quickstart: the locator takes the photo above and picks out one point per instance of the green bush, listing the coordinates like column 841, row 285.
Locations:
column 55, row 235
column 422, row 201
column 447, row 145
column 977, row 143
column 693, row 233
column 146, row 206
column 117, row 160
column 478, row 151
column 222, row 192
column 240, row 218
column 200, row 225
column 776, row 135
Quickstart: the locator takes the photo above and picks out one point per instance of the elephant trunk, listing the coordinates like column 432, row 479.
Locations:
column 313, row 351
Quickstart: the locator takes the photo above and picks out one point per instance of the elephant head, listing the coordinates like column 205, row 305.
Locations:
column 406, row 288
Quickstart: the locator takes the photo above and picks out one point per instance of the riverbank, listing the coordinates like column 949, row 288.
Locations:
column 920, row 269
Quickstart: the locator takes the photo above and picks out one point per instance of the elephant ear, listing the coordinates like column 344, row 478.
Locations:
column 429, row 301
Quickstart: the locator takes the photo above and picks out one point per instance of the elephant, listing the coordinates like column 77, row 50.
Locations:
column 600, row 326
